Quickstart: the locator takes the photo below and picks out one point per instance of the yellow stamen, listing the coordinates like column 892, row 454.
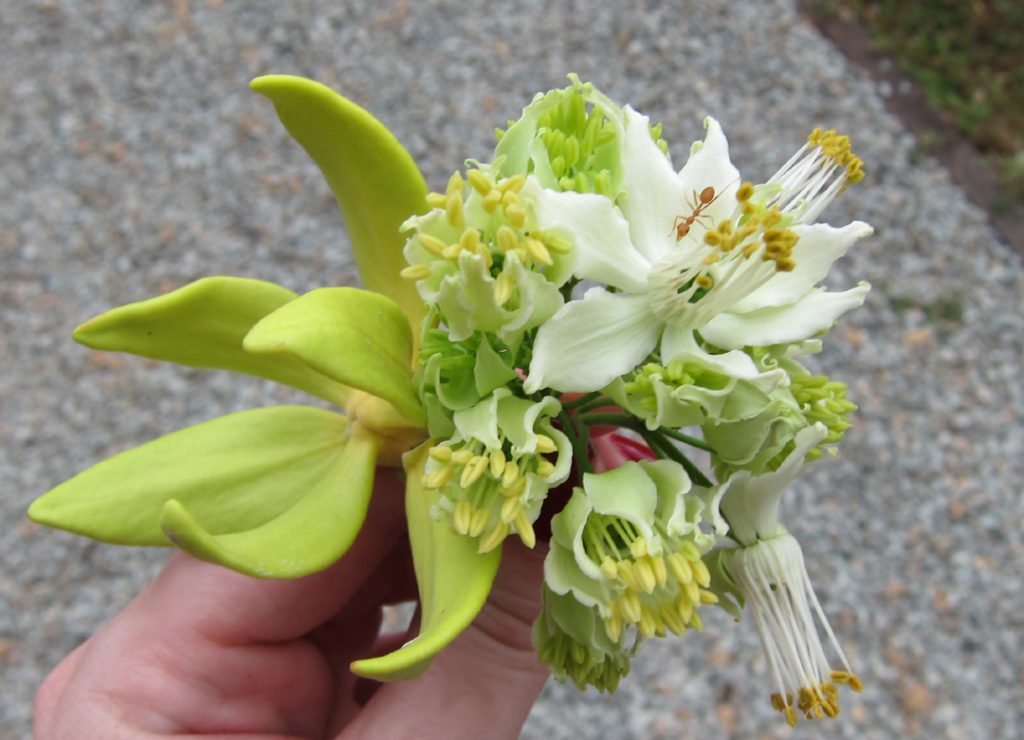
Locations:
column 415, row 272
column 480, row 182
column 433, row 245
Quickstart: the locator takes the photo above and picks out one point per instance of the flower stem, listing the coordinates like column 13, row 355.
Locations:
column 661, row 445
column 579, row 443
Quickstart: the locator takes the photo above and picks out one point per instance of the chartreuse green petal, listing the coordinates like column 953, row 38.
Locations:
column 353, row 336
column 311, row 535
column 454, row 581
column 233, row 473
column 375, row 181
column 202, row 325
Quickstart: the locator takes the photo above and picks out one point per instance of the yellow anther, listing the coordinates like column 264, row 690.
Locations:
column 473, row 471
column 441, row 453
column 491, row 200
column 638, row 547
column 630, row 606
column 511, row 474
column 454, row 185
column 660, row 569
column 608, row 569
column 790, row 716
column 438, row 478
column 777, row 703
column 645, row 577
column 712, row 238
column 453, row 211
column 536, row 249
column 712, row 258
column 494, row 538
column 433, row 245
column 725, row 227
column 771, row 218
column 525, row 530
column 462, row 456
column 546, row 445
column 647, row 624
column 462, row 516
column 613, row 626
column 707, row 597
column 509, row 199
column 685, row 609
column 627, row 576
column 497, row 460
column 509, row 509
column 470, row 240
column 515, row 215
column 513, row 184
column 704, row 281
column 504, row 284
column 515, row 489
column 436, row 200
column 452, row 251
column 680, row 568
column 696, row 622
column 556, row 244
column 700, row 573
column 545, row 468
column 478, row 522
column 415, row 272
column 507, row 239
column 671, row 619
column 745, row 192
column 692, row 591
column 480, row 182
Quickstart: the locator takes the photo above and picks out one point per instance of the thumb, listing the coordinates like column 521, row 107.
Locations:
column 484, row 683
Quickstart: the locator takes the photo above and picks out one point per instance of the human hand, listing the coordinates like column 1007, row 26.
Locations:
column 205, row 651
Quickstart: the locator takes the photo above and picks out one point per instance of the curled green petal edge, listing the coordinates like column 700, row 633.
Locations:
column 454, row 581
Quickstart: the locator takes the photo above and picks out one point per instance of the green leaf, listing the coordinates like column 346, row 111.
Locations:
column 314, row 533
column 233, row 473
column 454, row 581
column 202, row 325
column 353, row 336
column 375, row 181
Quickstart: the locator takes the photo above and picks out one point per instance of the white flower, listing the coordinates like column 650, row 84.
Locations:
column 692, row 252
column 768, row 568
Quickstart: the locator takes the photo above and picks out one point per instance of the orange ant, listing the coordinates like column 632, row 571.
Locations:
column 682, row 224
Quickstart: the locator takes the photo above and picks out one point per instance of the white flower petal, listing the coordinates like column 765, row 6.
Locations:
column 820, row 245
column 602, row 250
column 751, row 502
column 815, row 312
column 653, row 193
column 709, row 166
column 679, row 343
column 589, row 343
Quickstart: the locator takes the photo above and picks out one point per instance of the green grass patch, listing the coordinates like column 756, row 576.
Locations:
column 966, row 55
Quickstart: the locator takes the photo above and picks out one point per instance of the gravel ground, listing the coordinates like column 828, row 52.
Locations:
column 134, row 159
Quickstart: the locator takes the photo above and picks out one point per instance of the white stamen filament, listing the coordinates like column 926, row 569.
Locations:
column 773, row 578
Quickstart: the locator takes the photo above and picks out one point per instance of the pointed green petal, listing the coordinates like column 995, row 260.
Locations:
column 353, row 336
column 375, row 181
column 202, row 325
column 314, row 533
column 453, row 579
column 233, row 473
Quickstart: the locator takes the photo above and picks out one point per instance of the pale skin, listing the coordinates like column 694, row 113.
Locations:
column 206, row 652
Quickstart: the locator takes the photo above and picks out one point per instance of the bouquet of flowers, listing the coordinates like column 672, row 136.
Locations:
column 574, row 343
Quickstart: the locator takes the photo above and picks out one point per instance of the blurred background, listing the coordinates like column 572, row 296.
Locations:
column 134, row 159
